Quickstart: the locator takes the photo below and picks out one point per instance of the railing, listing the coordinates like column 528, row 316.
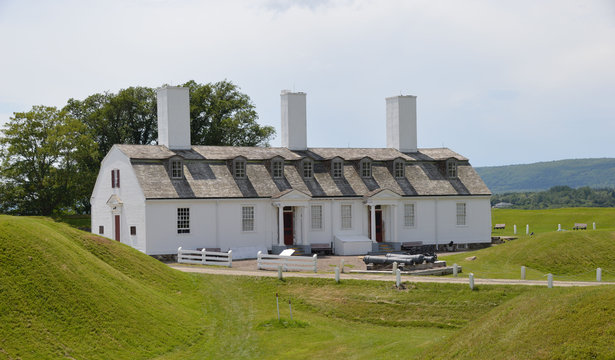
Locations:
column 205, row 257
column 272, row 262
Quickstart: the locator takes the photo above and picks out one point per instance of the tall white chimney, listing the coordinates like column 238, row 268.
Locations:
column 174, row 117
column 294, row 131
column 401, row 123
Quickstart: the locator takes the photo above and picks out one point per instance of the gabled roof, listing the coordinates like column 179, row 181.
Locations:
column 207, row 175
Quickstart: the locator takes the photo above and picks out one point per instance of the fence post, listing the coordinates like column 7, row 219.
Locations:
column 455, row 269
column 598, row 274
column 550, row 280
column 559, row 227
column 337, row 274
column 515, row 229
column 258, row 261
column 471, row 281
column 203, row 257
column 594, row 224
column 522, row 272
column 179, row 252
column 315, row 257
column 230, row 258
column 398, row 278
column 342, row 265
column 280, row 276
column 394, row 267
column 527, row 229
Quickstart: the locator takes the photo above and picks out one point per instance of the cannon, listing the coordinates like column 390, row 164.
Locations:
column 389, row 259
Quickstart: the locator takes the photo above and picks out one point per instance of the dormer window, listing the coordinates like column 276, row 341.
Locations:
column 239, row 168
column 177, row 169
column 277, row 169
column 337, row 168
column 451, row 168
column 399, row 169
column 308, row 169
column 366, row 168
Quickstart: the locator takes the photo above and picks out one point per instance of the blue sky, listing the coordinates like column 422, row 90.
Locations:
column 501, row 82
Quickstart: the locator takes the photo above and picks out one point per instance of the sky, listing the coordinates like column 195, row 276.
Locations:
column 500, row 82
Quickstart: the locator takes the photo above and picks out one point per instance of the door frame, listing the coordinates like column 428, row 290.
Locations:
column 288, row 216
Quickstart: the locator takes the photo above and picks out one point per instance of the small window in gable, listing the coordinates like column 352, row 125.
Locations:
column 451, row 168
column 177, row 169
column 133, row 230
column 399, row 169
column 337, row 169
column 277, row 169
column 308, row 168
column 101, row 230
column 239, row 168
column 366, row 168
column 115, row 178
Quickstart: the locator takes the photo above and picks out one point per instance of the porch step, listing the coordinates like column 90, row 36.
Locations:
column 298, row 251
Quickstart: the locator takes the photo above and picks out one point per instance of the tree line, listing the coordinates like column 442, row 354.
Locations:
column 558, row 197
column 50, row 157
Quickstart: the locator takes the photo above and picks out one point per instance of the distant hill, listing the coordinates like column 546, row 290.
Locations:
column 595, row 173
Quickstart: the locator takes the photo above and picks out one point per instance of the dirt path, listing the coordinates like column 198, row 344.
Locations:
column 245, row 271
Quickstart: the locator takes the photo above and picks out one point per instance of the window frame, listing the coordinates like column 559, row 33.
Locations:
column 462, row 216
column 451, row 169
column 365, row 168
column 277, row 169
column 346, row 219
column 249, row 220
column 307, row 165
column 240, row 168
column 115, row 178
column 408, row 216
column 334, row 171
column 133, row 230
column 401, row 172
column 183, row 220
column 101, row 229
column 173, row 169
column 318, row 219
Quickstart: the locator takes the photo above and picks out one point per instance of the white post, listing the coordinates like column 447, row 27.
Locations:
column 527, row 229
column 258, row 259
column 230, row 258
column 394, row 267
column 559, row 227
column 179, row 252
column 594, row 225
column 522, row 272
column 550, row 280
column 372, row 220
column 398, row 278
column 471, row 281
column 315, row 257
column 515, row 229
column 455, row 269
column 337, row 274
column 598, row 274
column 280, row 277
column 342, row 265
column 281, row 225
column 203, row 257
column 277, row 305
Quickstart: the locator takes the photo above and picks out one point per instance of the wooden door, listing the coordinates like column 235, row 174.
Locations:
column 288, row 227
column 379, row 227
column 117, row 227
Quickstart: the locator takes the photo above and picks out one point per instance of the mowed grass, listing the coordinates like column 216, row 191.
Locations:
column 568, row 255
column 69, row 294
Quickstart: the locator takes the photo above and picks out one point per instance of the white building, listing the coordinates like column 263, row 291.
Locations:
column 157, row 198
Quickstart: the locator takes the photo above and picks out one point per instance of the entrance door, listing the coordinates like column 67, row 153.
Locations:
column 379, row 224
column 288, row 225
column 117, row 227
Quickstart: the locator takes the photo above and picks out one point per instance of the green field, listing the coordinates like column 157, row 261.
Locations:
column 69, row 294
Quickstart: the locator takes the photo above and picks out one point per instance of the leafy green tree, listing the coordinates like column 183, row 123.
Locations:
column 44, row 155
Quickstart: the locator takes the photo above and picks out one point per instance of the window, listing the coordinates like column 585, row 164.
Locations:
column 461, row 213
column 451, row 169
column 247, row 218
column 239, row 168
column 366, row 168
column 399, row 169
column 177, row 169
column 101, row 229
column 115, row 178
column 133, row 230
column 277, row 169
column 337, row 169
column 409, row 215
column 183, row 220
column 316, row 217
column 308, row 169
column 346, row 216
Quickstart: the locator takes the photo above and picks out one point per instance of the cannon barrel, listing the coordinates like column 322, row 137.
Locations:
column 417, row 259
column 391, row 259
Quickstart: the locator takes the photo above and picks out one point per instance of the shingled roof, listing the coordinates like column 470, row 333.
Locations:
column 207, row 172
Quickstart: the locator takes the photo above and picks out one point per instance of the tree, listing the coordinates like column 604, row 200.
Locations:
column 44, row 155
